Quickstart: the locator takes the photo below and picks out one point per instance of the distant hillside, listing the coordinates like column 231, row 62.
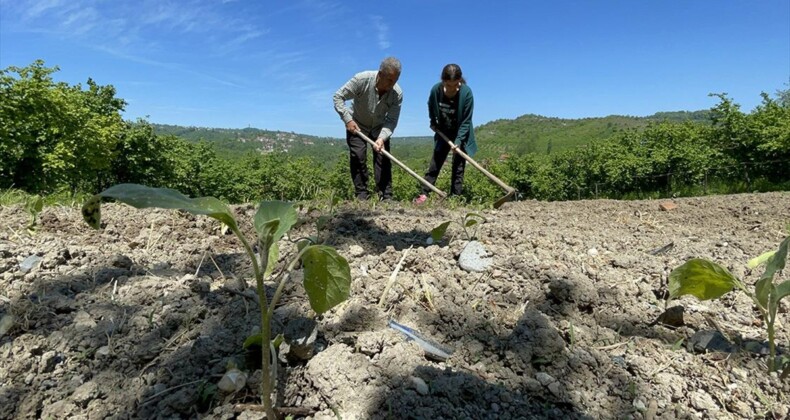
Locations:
column 538, row 134
column 230, row 142
column 526, row 134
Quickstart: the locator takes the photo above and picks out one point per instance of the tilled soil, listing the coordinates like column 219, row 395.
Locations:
column 140, row 319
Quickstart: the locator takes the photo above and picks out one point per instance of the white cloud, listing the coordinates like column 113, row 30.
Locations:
column 35, row 9
column 382, row 32
column 81, row 21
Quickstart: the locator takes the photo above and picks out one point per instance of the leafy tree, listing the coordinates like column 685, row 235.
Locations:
column 51, row 133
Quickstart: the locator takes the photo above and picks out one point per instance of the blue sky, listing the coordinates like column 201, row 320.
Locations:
column 275, row 64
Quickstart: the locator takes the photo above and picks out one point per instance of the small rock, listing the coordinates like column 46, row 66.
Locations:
column 419, row 385
column 639, row 405
column 121, row 261
column 619, row 361
column 532, row 385
column 667, row 206
column 49, row 360
column 703, row 341
column 544, row 378
column 6, row 322
column 555, row 389
column 30, row 263
column 58, row 409
column 234, row 380
column 701, row 400
column 781, row 411
column 672, row 317
column 356, row 250
column 301, row 334
column 473, row 257
column 592, row 252
column 743, row 409
column 85, row 393
column 738, row 373
column 83, row 321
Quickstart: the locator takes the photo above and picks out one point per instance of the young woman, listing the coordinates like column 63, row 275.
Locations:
column 450, row 106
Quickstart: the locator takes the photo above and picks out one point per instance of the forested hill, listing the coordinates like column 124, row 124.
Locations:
column 526, row 134
column 543, row 135
column 236, row 141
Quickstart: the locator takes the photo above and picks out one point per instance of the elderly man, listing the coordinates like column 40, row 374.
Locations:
column 376, row 102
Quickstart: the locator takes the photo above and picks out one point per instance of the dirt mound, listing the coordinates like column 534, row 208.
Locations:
column 140, row 319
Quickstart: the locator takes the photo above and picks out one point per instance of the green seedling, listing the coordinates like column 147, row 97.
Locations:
column 470, row 225
column 33, row 205
column 706, row 280
column 327, row 277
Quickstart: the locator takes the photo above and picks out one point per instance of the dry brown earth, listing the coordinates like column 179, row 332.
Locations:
column 139, row 320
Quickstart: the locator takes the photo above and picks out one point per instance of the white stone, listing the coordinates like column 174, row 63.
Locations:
column 473, row 257
column 419, row 385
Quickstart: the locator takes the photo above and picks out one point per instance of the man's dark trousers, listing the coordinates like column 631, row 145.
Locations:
column 382, row 168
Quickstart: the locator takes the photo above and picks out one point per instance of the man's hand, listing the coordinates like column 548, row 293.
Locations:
column 352, row 126
column 379, row 145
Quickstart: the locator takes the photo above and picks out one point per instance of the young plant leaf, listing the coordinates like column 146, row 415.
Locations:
column 781, row 291
column 34, row 204
column 327, row 277
column 762, row 289
column 140, row 196
column 253, row 340
column 777, row 261
column 758, row 261
column 271, row 210
column 438, row 232
column 700, row 278
column 91, row 211
column 274, row 255
column 472, row 219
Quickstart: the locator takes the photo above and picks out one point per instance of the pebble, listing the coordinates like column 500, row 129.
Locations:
column 639, row 405
column 419, row 385
column 701, row 400
column 555, row 389
column 738, row 373
column 356, row 250
column 544, row 378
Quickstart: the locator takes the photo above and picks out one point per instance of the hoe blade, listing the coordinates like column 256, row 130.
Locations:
column 510, row 196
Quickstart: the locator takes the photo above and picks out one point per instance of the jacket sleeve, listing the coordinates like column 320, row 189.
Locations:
column 346, row 92
column 465, row 118
column 432, row 102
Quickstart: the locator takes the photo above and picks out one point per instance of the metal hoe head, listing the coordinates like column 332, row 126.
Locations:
column 510, row 196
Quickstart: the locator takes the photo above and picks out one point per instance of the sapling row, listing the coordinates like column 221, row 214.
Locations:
column 327, row 276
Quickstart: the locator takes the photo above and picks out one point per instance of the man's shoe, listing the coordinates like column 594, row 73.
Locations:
column 420, row 199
